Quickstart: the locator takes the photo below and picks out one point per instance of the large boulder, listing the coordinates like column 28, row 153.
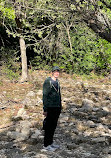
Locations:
column 22, row 131
column 87, row 105
column 17, row 136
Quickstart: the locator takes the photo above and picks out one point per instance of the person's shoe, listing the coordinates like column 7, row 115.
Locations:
column 56, row 146
column 48, row 148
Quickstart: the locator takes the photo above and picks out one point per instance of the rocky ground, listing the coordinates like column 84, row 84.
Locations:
column 84, row 127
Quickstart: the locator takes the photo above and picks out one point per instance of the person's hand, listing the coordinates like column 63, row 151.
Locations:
column 45, row 114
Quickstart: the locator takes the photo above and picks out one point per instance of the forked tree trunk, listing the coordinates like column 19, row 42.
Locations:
column 24, row 60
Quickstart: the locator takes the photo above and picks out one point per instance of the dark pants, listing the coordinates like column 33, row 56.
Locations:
column 50, row 125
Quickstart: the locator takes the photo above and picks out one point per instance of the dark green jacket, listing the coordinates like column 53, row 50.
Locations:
column 51, row 97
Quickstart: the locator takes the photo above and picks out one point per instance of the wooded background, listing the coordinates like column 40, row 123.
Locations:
column 73, row 34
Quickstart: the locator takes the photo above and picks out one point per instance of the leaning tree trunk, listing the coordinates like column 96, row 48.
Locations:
column 24, row 60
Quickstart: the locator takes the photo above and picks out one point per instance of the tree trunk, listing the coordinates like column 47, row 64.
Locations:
column 24, row 60
column 67, row 27
column 23, row 52
column 68, row 33
column 103, row 30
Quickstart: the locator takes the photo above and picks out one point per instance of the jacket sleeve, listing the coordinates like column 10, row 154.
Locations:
column 60, row 98
column 46, row 91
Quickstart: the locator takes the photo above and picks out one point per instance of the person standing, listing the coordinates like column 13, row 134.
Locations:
column 51, row 108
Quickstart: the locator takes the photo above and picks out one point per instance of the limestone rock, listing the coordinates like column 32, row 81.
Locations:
column 87, row 105
column 36, row 134
column 41, row 156
column 22, row 113
column 39, row 92
column 63, row 119
column 31, row 94
column 17, row 136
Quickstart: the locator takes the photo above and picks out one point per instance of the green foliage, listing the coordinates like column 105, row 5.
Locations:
column 103, row 56
column 80, row 60
column 44, row 28
column 89, row 53
column 104, row 8
column 7, row 11
column 10, row 65
column 10, row 74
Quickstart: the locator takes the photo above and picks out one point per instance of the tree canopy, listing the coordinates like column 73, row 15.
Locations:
column 75, row 34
